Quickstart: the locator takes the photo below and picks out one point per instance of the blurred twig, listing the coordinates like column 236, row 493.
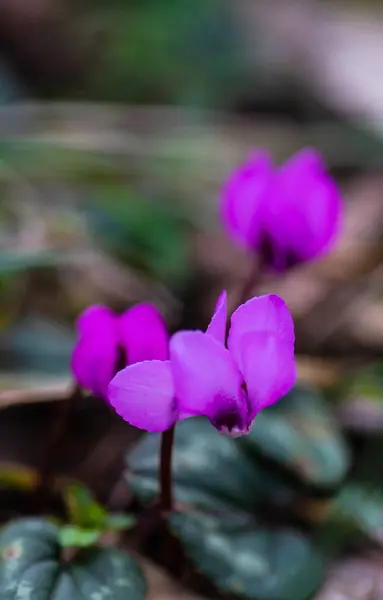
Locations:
column 50, row 392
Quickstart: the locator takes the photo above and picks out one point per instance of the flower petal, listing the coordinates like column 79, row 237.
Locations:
column 217, row 325
column 303, row 213
column 143, row 395
column 206, row 381
column 143, row 334
column 94, row 318
column 242, row 199
column 95, row 356
column 268, row 369
column 94, row 361
column 260, row 314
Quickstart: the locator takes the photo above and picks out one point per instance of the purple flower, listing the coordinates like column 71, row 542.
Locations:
column 288, row 215
column 203, row 377
column 107, row 340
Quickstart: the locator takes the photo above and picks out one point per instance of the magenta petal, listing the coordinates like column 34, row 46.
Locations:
column 242, row 199
column 268, row 368
column 260, row 314
column 95, row 318
column 217, row 326
column 95, row 356
column 206, row 381
column 93, row 362
column 304, row 209
column 143, row 334
column 143, row 395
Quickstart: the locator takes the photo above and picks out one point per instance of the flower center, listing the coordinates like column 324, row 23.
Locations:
column 231, row 419
column 274, row 257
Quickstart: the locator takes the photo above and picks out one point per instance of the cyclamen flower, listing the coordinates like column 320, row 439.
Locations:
column 289, row 215
column 107, row 340
column 203, row 377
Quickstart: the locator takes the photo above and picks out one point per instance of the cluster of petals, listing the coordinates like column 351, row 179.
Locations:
column 227, row 382
column 108, row 342
column 288, row 215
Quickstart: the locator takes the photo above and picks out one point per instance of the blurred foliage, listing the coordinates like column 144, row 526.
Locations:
column 226, row 488
column 146, row 234
column 88, row 520
column 50, row 356
column 248, row 561
column 261, row 517
column 302, row 433
column 31, row 564
column 219, row 522
column 172, row 51
column 18, row 477
column 86, row 514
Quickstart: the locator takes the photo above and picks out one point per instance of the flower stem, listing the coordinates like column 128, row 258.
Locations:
column 248, row 284
column 166, row 484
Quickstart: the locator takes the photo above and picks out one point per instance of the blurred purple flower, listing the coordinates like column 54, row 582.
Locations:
column 288, row 215
column 107, row 339
column 203, row 377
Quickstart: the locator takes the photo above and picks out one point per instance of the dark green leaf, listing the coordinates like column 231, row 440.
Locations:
column 209, row 470
column 301, row 433
column 31, row 568
column 248, row 561
column 359, row 508
column 71, row 536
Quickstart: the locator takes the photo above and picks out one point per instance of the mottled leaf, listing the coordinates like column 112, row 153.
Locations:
column 301, row 433
column 209, row 470
column 31, row 568
column 249, row 561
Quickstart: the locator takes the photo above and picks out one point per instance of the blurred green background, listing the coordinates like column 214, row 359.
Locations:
column 119, row 121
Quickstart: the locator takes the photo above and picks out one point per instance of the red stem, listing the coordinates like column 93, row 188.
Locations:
column 248, row 285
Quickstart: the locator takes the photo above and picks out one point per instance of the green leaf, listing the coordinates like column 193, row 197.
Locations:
column 83, row 509
column 358, row 507
column 213, row 473
column 247, row 561
column 118, row 522
column 300, row 432
column 71, row 536
column 209, row 470
column 31, row 567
